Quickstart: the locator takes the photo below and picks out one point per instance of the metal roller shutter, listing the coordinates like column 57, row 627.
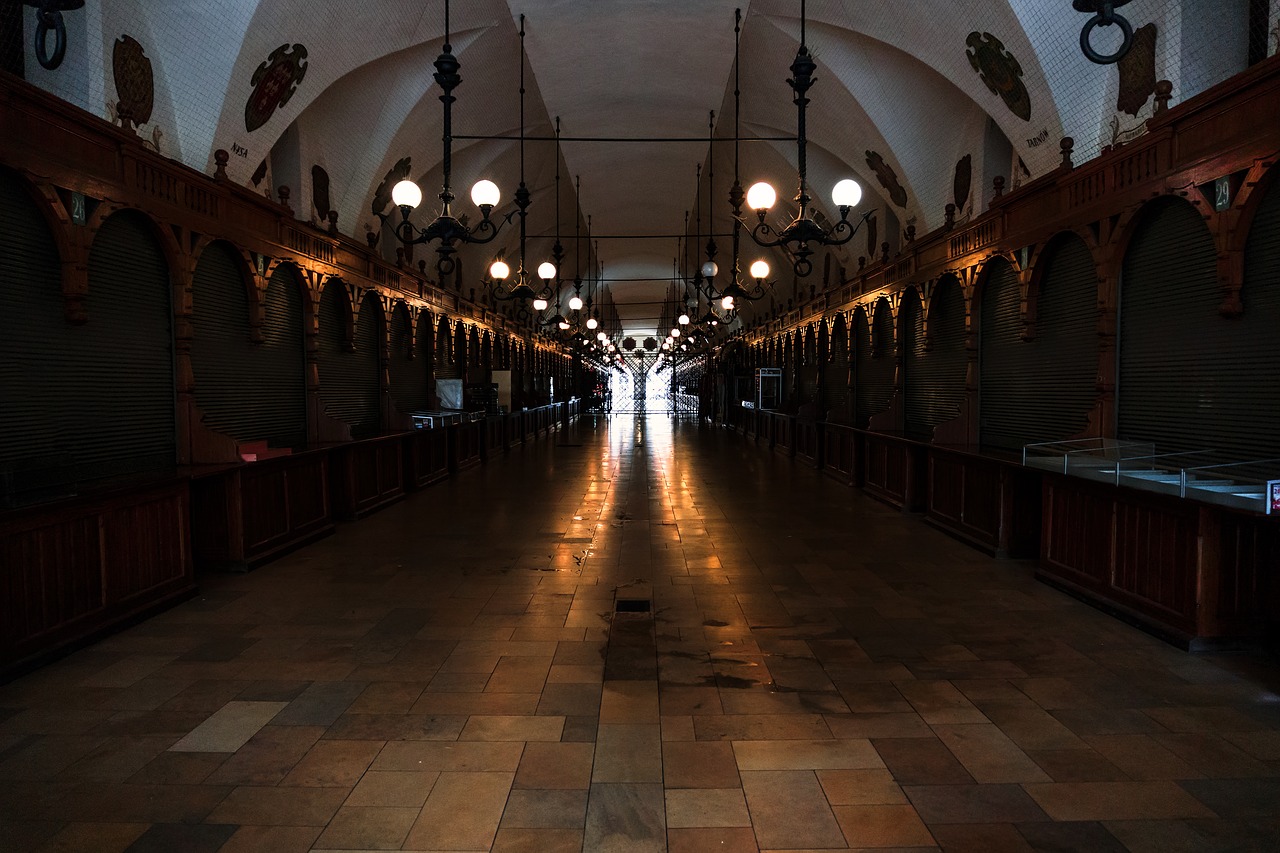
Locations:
column 911, row 322
column 280, row 372
column 221, row 352
column 446, row 368
column 125, row 385
column 1177, row 354
column 835, row 378
column 935, row 380
column 349, row 380
column 875, row 372
column 1006, row 388
column 1190, row 378
column 1042, row 389
column 408, row 376
column 39, row 373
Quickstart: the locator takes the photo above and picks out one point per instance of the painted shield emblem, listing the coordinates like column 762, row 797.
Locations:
column 887, row 177
column 962, row 181
column 135, row 83
column 1138, row 71
column 1000, row 71
column 274, row 83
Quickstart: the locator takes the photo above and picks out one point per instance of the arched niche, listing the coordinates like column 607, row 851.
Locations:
column 350, row 372
column 409, row 363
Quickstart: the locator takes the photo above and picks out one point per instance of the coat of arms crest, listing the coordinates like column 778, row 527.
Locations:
column 274, row 83
column 1000, row 71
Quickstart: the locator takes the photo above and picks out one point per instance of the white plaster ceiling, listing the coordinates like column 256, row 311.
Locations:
column 892, row 78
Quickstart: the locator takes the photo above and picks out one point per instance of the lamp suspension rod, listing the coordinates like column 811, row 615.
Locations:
column 577, row 225
column 736, row 193
column 522, row 184
column 668, row 139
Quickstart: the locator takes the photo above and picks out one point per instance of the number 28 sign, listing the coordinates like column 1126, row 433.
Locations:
column 1273, row 497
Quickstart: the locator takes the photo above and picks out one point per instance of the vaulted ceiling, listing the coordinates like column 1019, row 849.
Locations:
column 905, row 93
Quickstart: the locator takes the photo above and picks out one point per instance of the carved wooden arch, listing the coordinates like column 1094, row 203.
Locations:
column 1039, row 264
column 348, row 310
column 979, row 277
column 255, row 285
column 838, row 340
column 884, row 302
column 486, row 350
column 398, row 306
column 460, row 344
column 177, row 261
column 1131, row 220
column 936, row 287
column 306, row 285
column 823, row 342
column 1262, row 179
column 69, row 241
column 444, row 342
column 905, row 295
column 424, row 333
column 370, row 298
column 473, row 347
column 809, row 344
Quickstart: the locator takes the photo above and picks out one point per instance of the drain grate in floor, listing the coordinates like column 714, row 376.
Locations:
column 632, row 605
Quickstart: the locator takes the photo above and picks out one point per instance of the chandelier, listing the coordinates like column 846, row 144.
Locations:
column 803, row 231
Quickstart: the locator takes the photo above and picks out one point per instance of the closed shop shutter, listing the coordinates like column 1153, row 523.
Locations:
column 835, row 379
column 875, row 372
column 39, row 373
column 446, row 368
column 935, row 381
column 349, row 380
column 914, row 390
column 125, row 394
column 1177, row 354
column 1044, row 388
column 222, row 356
column 408, row 375
column 1189, row 378
column 280, row 369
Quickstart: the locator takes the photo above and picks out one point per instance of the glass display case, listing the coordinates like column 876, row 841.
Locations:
column 768, row 390
column 1198, row 475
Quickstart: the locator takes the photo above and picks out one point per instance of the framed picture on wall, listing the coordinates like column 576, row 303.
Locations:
column 1273, row 497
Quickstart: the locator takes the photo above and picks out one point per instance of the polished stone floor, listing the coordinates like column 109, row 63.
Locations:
column 473, row 669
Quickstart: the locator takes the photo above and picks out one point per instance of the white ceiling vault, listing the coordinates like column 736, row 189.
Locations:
column 897, row 105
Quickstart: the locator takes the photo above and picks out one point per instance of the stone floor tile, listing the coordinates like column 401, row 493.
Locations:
column 279, row 806
column 498, row 728
column 988, row 754
column 628, row 753
column 522, row 840
column 789, row 809
column 84, row 838
column 268, row 756
column 387, row 697
column 429, row 756
column 1088, row 835
column 806, row 755
column 699, row 764
column 385, row 727
column 392, row 789
column 882, row 826
column 462, row 812
column 358, row 827
column 1237, row 798
column 1076, row 765
column 197, row 838
column 861, row 788
column 761, row 727
column 556, row 766
column 179, row 768
column 878, row 725
column 973, row 804
column 230, row 727
column 625, row 818
column 719, row 839
column 980, row 838
column 940, row 702
column 1102, row 801
column 334, row 764
column 712, row 807
column 545, row 809
column 921, row 761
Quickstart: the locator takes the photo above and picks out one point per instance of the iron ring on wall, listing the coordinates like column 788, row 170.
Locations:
column 50, row 21
column 1102, row 20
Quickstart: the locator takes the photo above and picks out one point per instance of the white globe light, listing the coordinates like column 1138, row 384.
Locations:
column 846, row 193
column 612, row 348
column 601, row 336
column 709, row 269
column 485, row 194
column 406, row 194
column 683, row 319
column 592, row 322
column 727, row 303
column 564, row 325
column 684, row 346
column 539, row 304
column 546, row 270
column 575, row 303
column 760, row 269
column 666, row 344
column 675, row 333
column 499, row 270
column 761, row 196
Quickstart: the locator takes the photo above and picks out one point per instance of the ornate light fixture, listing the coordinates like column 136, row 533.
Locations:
column 49, row 18
column 446, row 228
column 803, row 230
